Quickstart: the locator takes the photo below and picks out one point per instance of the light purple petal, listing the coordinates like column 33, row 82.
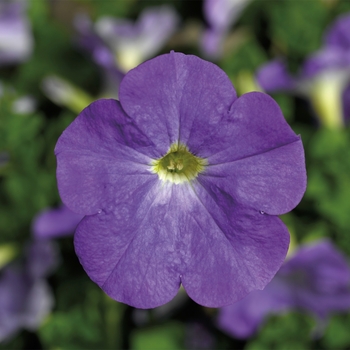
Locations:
column 139, row 40
column 176, row 97
column 56, row 222
column 155, row 26
column 16, row 41
column 212, row 43
column 42, row 258
column 133, row 254
column 97, row 151
column 13, row 290
column 272, row 182
column 166, row 234
column 320, row 279
column 102, row 55
column 24, row 301
column 92, row 43
column 273, row 76
column 233, row 249
column 315, row 279
column 253, row 125
column 338, row 35
column 327, row 58
column 40, row 302
column 242, row 319
column 221, row 14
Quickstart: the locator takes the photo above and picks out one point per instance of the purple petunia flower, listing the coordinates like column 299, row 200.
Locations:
column 25, row 296
column 181, row 182
column 273, row 76
column 121, row 44
column 324, row 77
column 53, row 223
column 316, row 279
column 16, row 41
column 101, row 54
column 220, row 15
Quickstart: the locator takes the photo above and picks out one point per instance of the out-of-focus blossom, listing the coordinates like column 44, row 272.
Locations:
column 315, row 279
column 53, row 223
column 181, row 182
column 273, row 76
column 16, row 40
column 121, row 42
column 25, row 296
column 101, row 54
column 220, row 15
column 324, row 77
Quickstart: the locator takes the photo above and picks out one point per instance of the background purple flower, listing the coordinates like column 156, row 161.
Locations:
column 338, row 35
column 316, row 279
column 324, row 77
column 218, row 235
column 220, row 15
column 25, row 296
column 124, row 44
column 16, row 41
column 273, row 76
column 53, row 223
column 100, row 52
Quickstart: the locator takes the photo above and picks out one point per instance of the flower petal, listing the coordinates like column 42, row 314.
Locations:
column 242, row 319
column 176, row 97
column 254, row 125
column 273, row 76
column 338, row 36
column 233, row 250
column 159, row 237
column 55, row 222
column 272, row 182
column 95, row 153
column 132, row 253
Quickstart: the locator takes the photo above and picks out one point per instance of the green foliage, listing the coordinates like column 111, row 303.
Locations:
column 337, row 334
column 75, row 329
column 247, row 57
column 328, row 181
column 285, row 332
column 24, row 182
column 296, row 27
column 169, row 336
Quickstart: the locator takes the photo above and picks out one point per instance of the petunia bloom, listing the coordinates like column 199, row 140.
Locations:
column 181, row 182
column 220, row 15
column 16, row 40
column 316, row 279
column 55, row 222
column 25, row 297
column 324, row 77
column 125, row 43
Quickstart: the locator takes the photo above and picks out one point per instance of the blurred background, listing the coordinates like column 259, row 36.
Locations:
column 57, row 56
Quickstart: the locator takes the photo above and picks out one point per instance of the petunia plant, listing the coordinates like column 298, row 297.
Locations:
column 180, row 182
column 324, row 78
column 315, row 280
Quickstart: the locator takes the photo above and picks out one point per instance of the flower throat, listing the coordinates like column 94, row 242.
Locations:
column 178, row 165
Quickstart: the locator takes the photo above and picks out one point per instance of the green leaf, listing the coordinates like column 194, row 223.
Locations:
column 169, row 336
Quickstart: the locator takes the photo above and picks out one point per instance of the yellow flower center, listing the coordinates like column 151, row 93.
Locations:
column 178, row 165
